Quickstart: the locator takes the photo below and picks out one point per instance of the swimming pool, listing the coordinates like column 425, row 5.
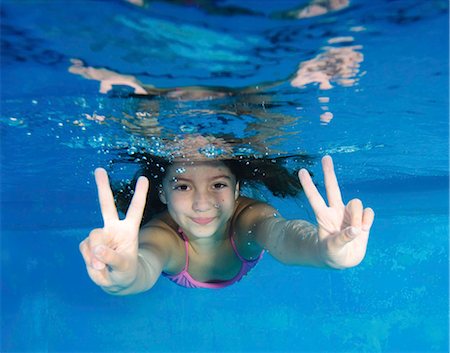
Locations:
column 384, row 121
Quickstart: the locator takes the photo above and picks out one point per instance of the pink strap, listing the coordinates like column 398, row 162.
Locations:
column 183, row 278
column 233, row 244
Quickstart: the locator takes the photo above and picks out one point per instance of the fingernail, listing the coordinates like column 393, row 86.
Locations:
column 99, row 250
column 98, row 265
column 354, row 231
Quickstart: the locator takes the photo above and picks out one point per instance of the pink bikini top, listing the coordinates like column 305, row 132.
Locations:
column 184, row 279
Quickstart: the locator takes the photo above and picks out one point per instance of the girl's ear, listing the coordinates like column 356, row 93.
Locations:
column 237, row 191
column 162, row 196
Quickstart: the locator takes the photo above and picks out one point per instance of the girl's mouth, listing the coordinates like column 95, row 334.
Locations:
column 203, row 221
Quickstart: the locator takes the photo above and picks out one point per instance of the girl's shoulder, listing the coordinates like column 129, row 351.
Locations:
column 160, row 234
column 250, row 210
column 161, row 229
column 160, row 225
column 248, row 215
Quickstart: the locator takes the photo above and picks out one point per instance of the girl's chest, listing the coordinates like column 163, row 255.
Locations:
column 220, row 265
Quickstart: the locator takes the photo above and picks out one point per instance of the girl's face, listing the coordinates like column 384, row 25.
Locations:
column 200, row 197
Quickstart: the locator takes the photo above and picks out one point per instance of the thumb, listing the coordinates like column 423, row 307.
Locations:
column 347, row 235
column 110, row 257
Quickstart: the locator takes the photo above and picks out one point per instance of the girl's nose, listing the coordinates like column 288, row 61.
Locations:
column 202, row 202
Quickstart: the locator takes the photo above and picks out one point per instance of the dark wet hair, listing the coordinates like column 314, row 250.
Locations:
column 249, row 172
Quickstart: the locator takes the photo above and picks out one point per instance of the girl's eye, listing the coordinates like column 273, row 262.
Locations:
column 219, row 186
column 181, row 187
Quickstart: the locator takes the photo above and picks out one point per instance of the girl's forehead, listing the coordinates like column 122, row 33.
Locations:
column 190, row 167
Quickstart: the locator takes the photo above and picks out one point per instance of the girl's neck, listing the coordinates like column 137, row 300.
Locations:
column 210, row 244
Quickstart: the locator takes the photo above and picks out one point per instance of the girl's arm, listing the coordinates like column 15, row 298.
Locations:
column 293, row 242
column 290, row 242
column 339, row 240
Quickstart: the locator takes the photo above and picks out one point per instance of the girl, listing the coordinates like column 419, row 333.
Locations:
column 204, row 234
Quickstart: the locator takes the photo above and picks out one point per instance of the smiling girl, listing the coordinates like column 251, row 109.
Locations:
column 196, row 229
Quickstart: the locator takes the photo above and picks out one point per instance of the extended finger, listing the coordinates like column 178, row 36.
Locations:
column 137, row 205
column 331, row 184
column 311, row 192
column 105, row 195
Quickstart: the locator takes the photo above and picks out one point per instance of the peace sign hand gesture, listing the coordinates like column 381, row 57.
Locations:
column 343, row 230
column 111, row 252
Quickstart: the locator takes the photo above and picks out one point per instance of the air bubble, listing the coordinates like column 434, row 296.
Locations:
column 188, row 129
column 211, row 151
column 132, row 150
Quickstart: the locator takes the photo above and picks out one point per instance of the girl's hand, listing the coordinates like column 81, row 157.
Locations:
column 111, row 252
column 343, row 229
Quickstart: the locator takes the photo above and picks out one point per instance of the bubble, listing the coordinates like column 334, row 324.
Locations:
column 17, row 122
column 211, row 151
column 132, row 150
column 245, row 151
column 189, row 129
column 180, row 170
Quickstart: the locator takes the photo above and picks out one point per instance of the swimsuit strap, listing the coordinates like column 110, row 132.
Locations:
column 184, row 279
column 233, row 244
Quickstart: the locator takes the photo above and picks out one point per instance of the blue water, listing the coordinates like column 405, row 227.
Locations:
column 388, row 138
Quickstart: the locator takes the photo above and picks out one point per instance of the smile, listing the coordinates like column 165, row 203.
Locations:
column 203, row 221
